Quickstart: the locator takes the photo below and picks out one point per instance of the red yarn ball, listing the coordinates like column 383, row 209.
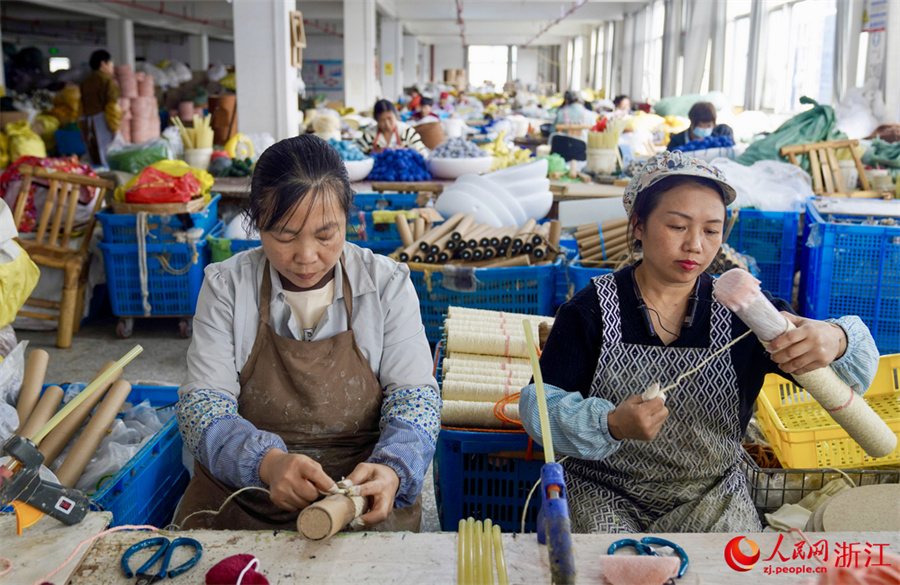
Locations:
column 227, row 571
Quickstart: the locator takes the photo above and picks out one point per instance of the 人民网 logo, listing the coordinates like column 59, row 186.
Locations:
column 736, row 559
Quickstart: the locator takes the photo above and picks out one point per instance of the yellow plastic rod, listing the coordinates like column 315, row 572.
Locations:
column 90, row 389
column 488, row 550
column 502, row 578
column 461, row 554
column 546, row 437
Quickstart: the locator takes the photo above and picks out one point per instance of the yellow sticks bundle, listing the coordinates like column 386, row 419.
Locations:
column 609, row 138
column 200, row 136
column 479, row 550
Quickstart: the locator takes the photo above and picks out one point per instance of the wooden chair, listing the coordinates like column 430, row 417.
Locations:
column 823, row 166
column 50, row 247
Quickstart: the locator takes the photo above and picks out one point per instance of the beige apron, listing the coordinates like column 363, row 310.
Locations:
column 322, row 398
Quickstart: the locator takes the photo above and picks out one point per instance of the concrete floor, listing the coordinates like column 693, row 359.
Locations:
column 161, row 363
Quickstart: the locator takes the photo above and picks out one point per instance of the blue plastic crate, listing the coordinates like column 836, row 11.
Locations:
column 69, row 142
column 469, row 481
column 569, row 247
column 580, row 276
column 373, row 201
column 771, row 238
column 170, row 294
column 119, row 228
column 372, row 230
column 526, row 289
column 383, row 247
column 852, row 269
column 147, row 489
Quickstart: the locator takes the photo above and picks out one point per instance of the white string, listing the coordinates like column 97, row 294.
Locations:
column 531, row 493
column 701, row 365
column 141, row 233
column 250, row 565
column 216, row 512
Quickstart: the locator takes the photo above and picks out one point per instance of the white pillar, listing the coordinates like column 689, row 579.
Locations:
column 671, row 47
column 359, row 54
column 755, row 56
column 120, row 40
column 564, row 66
column 199, row 46
column 410, row 60
column 266, row 82
column 717, row 49
column 391, row 58
column 892, row 62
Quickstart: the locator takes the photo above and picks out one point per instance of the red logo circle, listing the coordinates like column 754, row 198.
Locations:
column 738, row 560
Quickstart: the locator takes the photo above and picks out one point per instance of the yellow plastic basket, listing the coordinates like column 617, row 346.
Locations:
column 804, row 436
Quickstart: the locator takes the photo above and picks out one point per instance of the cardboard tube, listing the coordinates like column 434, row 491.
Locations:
column 555, row 231
column 474, row 236
column 462, row 227
column 539, row 252
column 403, row 228
column 418, row 228
column 590, row 229
column 70, row 471
column 440, row 244
column 323, row 519
column 615, row 232
column 55, row 442
column 589, row 242
column 46, row 408
column 442, row 230
column 527, row 228
column 32, row 381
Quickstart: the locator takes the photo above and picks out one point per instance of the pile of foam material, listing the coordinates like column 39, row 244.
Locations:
column 458, row 148
column 399, row 165
column 347, row 150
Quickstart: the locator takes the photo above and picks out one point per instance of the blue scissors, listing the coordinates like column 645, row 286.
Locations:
column 166, row 547
column 643, row 548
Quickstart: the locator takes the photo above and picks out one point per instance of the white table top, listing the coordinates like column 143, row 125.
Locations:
column 286, row 558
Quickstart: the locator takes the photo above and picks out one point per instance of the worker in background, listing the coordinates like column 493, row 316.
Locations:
column 703, row 125
column 622, row 106
column 390, row 133
column 425, row 113
column 415, row 99
column 308, row 364
column 444, row 104
column 100, row 107
column 572, row 112
column 670, row 466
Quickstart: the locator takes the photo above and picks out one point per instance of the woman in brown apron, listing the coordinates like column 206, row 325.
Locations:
column 320, row 396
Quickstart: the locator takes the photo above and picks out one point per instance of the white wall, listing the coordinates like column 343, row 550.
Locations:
column 449, row 56
column 527, row 66
column 221, row 52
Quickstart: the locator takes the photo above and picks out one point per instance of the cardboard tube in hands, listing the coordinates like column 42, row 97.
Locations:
column 55, row 442
column 323, row 519
column 70, row 471
column 32, row 381
column 46, row 408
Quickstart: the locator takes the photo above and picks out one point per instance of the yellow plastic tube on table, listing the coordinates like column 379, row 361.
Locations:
column 546, row 436
column 461, row 553
column 470, row 553
column 500, row 557
column 488, row 551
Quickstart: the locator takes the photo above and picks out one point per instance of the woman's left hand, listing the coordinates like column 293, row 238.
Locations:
column 812, row 345
column 379, row 483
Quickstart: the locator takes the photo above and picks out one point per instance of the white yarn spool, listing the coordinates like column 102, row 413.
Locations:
column 476, row 391
column 478, row 415
column 459, row 357
column 489, row 377
column 494, row 344
column 739, row 291
column 480, row 370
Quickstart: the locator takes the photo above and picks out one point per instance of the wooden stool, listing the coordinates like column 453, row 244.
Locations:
column 823, row 166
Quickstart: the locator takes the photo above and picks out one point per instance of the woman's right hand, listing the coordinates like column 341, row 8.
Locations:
column 294, row 480
column 636, row 419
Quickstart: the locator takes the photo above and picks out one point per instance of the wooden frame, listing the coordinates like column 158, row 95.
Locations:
column 823, row 166
column 298, row 39
column 51, row 249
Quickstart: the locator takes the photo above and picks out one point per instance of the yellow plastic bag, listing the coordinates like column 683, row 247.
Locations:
column 229, row 81
column 45, row 126
column 17, row 279
column 113, row 116
column 67, row 105
column 4, row 151
column 176, row 168
column 24, row 142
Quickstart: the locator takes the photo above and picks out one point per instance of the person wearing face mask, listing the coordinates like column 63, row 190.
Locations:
column 703, row 125
column 308, row 364
column 670, row 465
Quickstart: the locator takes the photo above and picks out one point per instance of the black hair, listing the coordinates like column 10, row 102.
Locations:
column 648, row 200
column 98, row 58
column 569, row 98
column 426, row 102
column 289, row 171
column 382, row 106
column 702, row 112
column 619, row 99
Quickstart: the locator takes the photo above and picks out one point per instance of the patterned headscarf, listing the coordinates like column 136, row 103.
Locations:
column 669, row 164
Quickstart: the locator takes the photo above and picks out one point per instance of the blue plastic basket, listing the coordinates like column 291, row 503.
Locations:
column 852, row 269
column 70, row 142
column 147, row 489
column 569, row 247
column 372, row 230
column 469, row 481
column 373, row 201
column 119, row 228
column 580, row 276
column 527, row 289
column 771, row 238
column 383, row 247
column 170, row 294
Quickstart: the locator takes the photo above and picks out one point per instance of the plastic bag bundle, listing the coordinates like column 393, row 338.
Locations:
column 133, row 158
column 767, row 185
column 23, row 141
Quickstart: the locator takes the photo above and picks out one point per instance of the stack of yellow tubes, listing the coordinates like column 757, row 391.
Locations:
column 479, row 549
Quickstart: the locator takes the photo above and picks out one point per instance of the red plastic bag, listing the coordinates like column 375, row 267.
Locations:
column 155, row 186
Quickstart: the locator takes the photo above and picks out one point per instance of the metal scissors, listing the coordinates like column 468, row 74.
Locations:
column 166, row 548
column 643, row 548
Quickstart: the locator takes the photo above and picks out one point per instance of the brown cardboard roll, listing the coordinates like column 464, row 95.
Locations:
column 323, row 519
column 419, row 228
column 32, row 381
column 524, row 233
column 463, row 226
column 53, row 443
column 440, row 231
column 555, row 231
column 45, row 409
column 473, row 236
column 590, row 229
column 70, row 471
column 406, row 235
column 223, row 117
